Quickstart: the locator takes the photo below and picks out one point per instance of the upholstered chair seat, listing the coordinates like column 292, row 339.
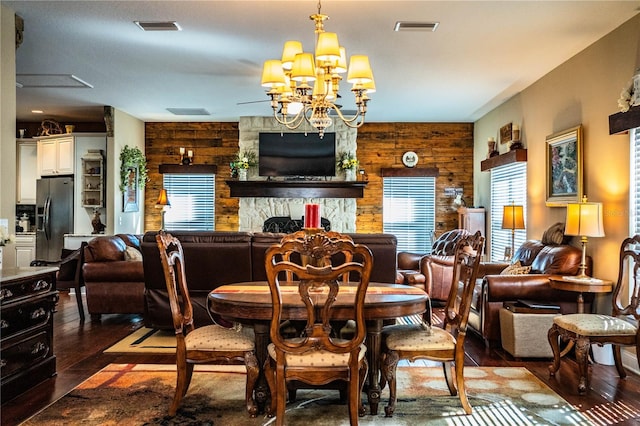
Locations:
column 218, row 338
column 418, row 338
column 596, row 325
column 317, row 358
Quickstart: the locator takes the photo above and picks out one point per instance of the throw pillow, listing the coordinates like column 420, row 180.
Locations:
column 516, row 269
column 132, row 254
column 554, row 235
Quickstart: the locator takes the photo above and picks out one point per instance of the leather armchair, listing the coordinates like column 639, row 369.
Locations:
column 409, row 270
column 492, row 291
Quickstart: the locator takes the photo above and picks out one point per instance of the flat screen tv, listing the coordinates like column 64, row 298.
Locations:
column 296, row 154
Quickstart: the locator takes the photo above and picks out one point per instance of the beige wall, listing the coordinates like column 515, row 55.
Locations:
column 127, row 130
column 584, row 90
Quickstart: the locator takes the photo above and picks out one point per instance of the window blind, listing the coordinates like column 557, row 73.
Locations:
column 409, row 211
column 192, row 198
column 508, row 184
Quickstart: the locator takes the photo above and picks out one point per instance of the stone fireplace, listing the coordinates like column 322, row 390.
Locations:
column 253, row 211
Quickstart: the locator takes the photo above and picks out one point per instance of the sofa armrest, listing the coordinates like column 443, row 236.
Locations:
column 409, row 261
column 512, row 287
column 491, row 268
column 117, row 271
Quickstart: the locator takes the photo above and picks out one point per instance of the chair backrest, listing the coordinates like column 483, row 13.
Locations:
column 172, row 258
column 467, row 256
column 628, row 272
column 317, row 285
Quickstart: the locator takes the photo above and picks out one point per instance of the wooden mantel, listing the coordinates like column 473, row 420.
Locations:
column 297, row 188
column 508, row 157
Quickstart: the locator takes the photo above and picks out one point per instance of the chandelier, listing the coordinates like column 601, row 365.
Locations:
column 304, row 88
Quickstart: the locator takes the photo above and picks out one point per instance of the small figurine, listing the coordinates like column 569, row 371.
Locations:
column 98, row 226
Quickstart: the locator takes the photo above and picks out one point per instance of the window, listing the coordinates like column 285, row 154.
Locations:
column 508, row 184
column 409, row 211
column 192, row 198
column 634, row 191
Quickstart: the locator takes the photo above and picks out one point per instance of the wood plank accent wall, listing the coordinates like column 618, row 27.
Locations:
column 447, row 146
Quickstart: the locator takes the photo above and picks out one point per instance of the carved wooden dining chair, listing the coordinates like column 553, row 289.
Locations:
column 210, row 344
column 621, row 328
column 317, row 356
column 446, row 344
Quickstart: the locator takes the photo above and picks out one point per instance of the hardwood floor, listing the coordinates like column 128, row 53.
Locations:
column 79, row 350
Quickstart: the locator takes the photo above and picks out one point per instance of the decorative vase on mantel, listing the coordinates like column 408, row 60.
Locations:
column 350, row 175
column 242, row 174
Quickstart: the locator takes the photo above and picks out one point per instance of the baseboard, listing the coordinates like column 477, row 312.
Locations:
column 630, row 361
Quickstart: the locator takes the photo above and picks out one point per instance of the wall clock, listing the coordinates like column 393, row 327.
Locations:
column 410, row 159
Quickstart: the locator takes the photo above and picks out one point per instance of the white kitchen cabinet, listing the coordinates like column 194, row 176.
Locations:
column 25, row 249
column 471, row 219
column 56, row 156
column 27, row 171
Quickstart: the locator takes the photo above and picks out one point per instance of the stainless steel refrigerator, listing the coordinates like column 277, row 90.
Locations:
column 54, row 215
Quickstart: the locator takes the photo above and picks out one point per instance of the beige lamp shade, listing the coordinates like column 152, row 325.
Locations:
column 273, row 74
column 584, row 219
column 513, row 217
column 289, row 52
column 341, row 64
column 359, row 70
column 304, row 68
column 163, row 199
column 327, row 48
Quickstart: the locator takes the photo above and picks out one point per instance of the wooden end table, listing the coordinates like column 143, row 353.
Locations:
column 592, row 285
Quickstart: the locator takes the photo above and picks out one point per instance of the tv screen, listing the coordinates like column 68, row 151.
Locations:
column 296, row 154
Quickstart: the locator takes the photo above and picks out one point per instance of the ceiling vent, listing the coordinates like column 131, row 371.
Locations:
column 415, row 26
column 188, row 111
column 158, row 26
column 50, row 81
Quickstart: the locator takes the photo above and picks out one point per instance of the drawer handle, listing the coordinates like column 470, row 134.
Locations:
column 41, row 285
column 4, row 324
column 39, row 348
column 5, row 293
column 38, row 313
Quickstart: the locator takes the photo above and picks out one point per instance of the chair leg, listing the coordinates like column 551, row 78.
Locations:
column 281, row 395
column 462, row 390
column 183, row 378
column 79, row 303
column 354, row 397
column 363, row 370
column 251, row 362
column 389, row 370
column 617, row 358
column 448, row 375
column 269, row 375
column 582, row 359
column 553, row 335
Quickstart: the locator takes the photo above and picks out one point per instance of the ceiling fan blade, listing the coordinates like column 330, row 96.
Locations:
column 253, row 102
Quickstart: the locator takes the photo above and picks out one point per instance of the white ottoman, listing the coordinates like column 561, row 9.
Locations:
column 524, row 334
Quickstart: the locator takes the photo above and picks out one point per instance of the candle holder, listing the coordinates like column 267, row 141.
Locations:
column 186, row 158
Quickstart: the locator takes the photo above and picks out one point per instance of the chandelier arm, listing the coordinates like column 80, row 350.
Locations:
column 294, row 122
column 348, row 120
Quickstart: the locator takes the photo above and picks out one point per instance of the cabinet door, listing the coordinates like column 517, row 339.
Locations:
column 27, row 173
column 48, row 157
column 24, row 256
column 65, row 156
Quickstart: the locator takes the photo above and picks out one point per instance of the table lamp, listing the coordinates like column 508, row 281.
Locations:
column 584, row 219
column 512, row 218
column 164, row 204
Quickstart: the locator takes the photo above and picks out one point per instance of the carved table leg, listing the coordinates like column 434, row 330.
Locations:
column 374, row 343
column 261, row 330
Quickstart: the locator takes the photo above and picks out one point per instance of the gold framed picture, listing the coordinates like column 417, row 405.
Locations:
column 564, row 167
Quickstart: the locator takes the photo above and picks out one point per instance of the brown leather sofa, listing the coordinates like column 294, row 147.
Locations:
column 493, row 290
column 114, row 285
column 216, row 258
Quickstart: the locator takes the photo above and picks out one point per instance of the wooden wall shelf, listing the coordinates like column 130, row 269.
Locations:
column 623, row 121
column 503, row 159
column 297, row 189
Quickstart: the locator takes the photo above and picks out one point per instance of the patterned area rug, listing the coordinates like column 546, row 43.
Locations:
column 140, row 394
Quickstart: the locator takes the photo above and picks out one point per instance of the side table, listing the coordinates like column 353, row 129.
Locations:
column 580, row 286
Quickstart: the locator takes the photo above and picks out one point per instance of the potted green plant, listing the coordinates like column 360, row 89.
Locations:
column 132, row 158
column 242, row 162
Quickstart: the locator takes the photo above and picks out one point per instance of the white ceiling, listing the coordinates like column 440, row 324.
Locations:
column 482, row 53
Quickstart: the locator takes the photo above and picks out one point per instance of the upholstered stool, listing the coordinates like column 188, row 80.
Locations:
column 524, row 331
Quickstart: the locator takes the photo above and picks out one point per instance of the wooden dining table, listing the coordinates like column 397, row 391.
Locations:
column 250, row 303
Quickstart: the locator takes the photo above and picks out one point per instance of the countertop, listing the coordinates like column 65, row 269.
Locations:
column 8, row 274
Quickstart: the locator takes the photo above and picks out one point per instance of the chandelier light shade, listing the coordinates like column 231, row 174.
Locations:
column 303, row 86
column 512, row 218
column 584, row 220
